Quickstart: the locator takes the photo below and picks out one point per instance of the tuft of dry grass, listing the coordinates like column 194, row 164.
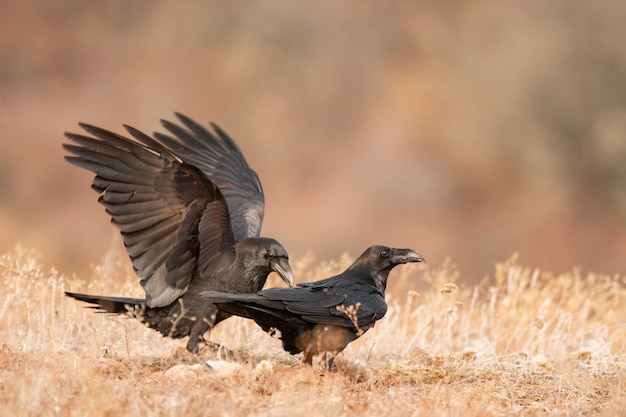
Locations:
column 524, row 342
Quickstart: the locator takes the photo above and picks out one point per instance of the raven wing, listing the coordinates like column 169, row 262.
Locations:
column 160, row 204
column 343, row 306
column 218, row 157
column 353, row 305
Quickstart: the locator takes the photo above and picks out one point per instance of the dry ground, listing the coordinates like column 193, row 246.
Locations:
column 522, row 343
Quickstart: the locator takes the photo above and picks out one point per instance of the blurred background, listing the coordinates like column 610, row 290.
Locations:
column 462, row 129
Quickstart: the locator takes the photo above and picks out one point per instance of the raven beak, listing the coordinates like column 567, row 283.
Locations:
column 402, row 256
column 281, row 267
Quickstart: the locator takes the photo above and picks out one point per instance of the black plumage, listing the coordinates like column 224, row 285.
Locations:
column 189, row 209
column 322, row 317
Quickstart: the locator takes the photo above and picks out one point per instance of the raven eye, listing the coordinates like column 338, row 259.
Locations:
column 269, row 255
column 384, row 254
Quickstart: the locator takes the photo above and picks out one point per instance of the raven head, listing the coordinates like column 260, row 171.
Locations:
column 378, row 261
column 266, row 255
column 383, row 257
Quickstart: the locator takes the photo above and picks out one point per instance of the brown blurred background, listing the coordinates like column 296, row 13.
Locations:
column 468, row 129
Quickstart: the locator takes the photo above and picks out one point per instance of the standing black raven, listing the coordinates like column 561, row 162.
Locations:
column 189, row 209
column 322, row 317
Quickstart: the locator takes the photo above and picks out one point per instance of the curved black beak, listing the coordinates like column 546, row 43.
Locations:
column 281, row 266
column 403, row 256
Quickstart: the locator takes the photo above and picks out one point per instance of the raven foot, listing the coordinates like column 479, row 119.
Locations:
column 202, row 362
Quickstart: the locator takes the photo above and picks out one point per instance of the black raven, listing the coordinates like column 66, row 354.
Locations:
column 322, row 317
column 189, row 209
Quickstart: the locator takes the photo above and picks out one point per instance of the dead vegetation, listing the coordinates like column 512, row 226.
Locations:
column 524, row 342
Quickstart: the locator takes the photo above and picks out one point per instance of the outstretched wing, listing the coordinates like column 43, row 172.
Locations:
column 221, row 160
column 159, row 203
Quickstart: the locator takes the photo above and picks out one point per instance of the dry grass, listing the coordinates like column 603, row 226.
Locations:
column 528, row 343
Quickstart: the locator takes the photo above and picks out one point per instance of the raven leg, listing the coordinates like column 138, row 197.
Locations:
column 327, row 361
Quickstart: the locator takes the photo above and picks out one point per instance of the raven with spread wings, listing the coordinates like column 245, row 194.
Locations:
column 189, row 209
